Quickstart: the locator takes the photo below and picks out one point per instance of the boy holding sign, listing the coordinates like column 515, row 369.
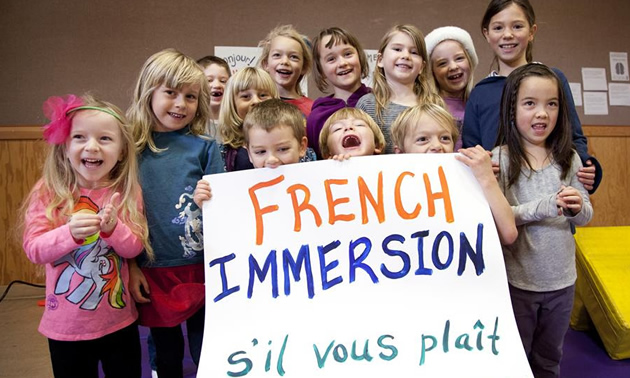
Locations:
column 429, row 128
column 274, row 135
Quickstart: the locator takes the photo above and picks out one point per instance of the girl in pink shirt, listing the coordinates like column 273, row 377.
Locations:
column 83, row 219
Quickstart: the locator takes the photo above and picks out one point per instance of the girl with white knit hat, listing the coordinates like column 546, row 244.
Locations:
column 453, row 61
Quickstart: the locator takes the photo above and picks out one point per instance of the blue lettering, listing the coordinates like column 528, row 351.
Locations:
column 466, row 250
column 436, row 249
column 358, row 263
column 303, row 260
column 394, row 252
column 324, row 269
column 254, row 269
column 224, row 282
column 421, row 271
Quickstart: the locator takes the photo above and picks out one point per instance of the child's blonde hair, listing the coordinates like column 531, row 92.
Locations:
column 287, row 31
column 423, row 86
column 230, row 124
column 411, row 116
column 346, row 113
column 337, row 36
column 172, row 69
column 274, row 113
column 60, row 188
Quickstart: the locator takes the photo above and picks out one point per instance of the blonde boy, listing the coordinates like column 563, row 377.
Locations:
column 275, row 134
column 429, row 128
column 350, row 132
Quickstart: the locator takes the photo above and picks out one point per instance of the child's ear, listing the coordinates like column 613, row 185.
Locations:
column 379, row 60
column 303, row 146
column 397, row 150
column 532, row 31
column 377, row 151
column 485, row 34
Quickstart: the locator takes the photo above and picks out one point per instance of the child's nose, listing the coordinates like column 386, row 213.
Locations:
column 91, row 144
column 435, row 146
column 272, row 160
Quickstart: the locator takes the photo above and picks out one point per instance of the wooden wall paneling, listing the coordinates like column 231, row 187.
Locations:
column 611, row 146
column 20, row 167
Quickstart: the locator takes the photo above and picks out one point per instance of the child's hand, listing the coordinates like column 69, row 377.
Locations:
column 479, row 162
column 340, row 157
column 138, row 285
column 586, row 175
column 569, row 199
column 109, row 215
column 84, row 225
column 202, row 192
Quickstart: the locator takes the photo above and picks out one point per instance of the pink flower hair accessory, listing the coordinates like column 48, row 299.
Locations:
column 57, row 110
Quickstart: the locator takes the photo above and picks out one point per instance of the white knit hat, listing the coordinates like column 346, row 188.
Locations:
column 456, row 34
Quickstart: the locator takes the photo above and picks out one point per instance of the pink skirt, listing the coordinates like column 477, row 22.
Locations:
column 176, row 294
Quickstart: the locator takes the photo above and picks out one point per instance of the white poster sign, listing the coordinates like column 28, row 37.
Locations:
column 594, row 79
column 576, row 92
column 383, row 266
column 595, row 103
column 619, row 66
column 619, row 94
column 372, row 56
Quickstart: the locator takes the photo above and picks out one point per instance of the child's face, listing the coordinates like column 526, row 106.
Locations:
column 341, row 65
column 352, row 137
column 451, row 68
column 174, row 109
column 217, row 78
column 401, row 60
column 276, row 147
column 427, row 137
column 93, row 147
column 508, row 34
column 285, row 62
column 244, row 100
column 536, row 110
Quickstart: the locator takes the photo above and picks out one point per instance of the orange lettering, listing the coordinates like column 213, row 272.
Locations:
column 305, row 205
column 364, row 193
column 431, row 197
column 399, row 206
column 257, row 210
column 332, row 216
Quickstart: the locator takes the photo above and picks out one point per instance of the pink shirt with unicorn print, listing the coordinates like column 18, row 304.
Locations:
column 87, row 293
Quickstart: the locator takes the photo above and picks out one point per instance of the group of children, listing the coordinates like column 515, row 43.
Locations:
column 116, row 216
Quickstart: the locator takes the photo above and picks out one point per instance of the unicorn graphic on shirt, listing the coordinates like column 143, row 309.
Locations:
column 98, row 266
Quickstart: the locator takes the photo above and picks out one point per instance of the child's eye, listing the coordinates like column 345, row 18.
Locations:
column 446, row 138
column 398, row 49
column 349, row 54
column 518, row 26
column 441, row 63
column 224, row 80
column 191, row 97
column 263, row 95
column 330, row 59
column 497, row 28
column 283, row 149
column 529, row 103
column 421, row 139
column 275, row 55
column 460, row 58
column 77, row 136
column 415, row 52
column 106, row 138
column 554, row 104
column 244, row 96
column 296, row 57
column 169, row 92
column 259, row 152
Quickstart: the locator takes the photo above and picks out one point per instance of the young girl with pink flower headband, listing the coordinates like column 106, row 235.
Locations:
column 83, row 219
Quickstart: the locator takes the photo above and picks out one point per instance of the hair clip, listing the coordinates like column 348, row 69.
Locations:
column 56, row 109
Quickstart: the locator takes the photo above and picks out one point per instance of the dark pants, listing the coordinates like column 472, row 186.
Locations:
column 543, row 320
column 118, row 352
column 169, row 345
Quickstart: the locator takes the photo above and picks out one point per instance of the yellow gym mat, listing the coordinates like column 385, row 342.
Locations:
column 603, row 286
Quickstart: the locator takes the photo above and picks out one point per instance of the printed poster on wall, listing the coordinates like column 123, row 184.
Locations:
column 381, row 266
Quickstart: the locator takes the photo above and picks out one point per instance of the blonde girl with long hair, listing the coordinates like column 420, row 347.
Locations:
column 169, row 114
column 83, row 220
column 401, row 78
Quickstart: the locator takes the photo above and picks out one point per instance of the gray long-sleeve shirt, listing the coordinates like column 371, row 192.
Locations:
column 543, row 256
